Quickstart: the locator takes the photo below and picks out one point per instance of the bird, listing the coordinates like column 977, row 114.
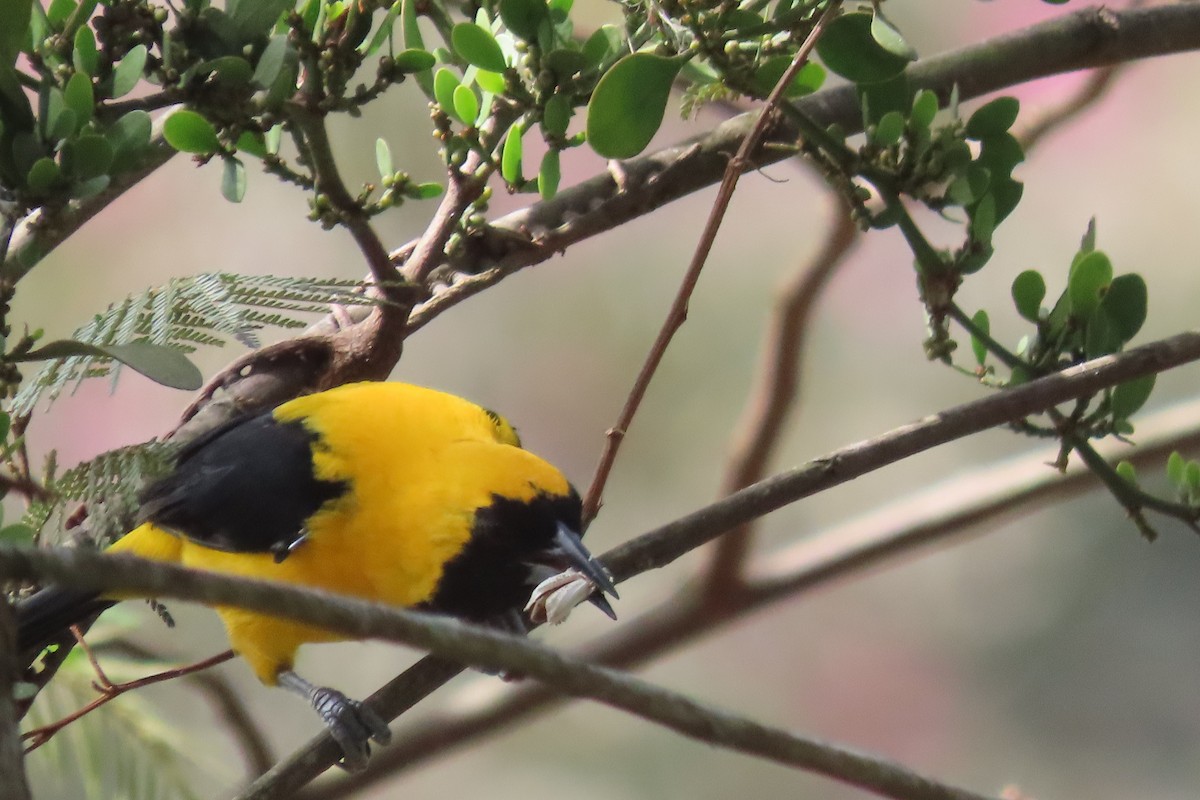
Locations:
column 384, row 491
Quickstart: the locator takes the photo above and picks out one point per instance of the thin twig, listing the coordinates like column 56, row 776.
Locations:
column 772, row 398
column 678, row 311
column 480, row 647
column 111, row 691
column 244, row 729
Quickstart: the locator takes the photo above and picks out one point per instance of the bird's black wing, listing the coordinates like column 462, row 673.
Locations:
column 247, row 487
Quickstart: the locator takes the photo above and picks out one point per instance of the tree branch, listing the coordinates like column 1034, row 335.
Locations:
column 951, row 512
column 481, row 647
column 1083, row 39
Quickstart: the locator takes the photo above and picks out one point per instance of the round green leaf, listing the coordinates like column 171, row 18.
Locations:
column 1090, row 276
column 490, row 81
column 87, row 156
column 924, row 109
column 889, row 37
column 128, row 72
column 1125, row 304
column 807, row 80
column 994, row 118
column 889, row 129
column 848, row 47
column 1028, row 292
column 189, row 132
column 85, row 56
column 549, row 175
column 477, row 46
column 557, row 115
column 628, row 104
column 414, row 60
column 79, row 98
column 1175, row 468
column 523, row 17
column 602, row 45
column 444, row 84
column 466, row 104
column 426, row 191
column 510, row 158
column 1126, row 471
column 1128, row 397
column 42, row 175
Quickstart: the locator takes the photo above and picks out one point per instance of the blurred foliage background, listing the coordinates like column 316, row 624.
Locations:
column 1056, row 652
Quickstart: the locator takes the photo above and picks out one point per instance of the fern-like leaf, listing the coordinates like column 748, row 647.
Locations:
column 202, row 310
column 108, row 485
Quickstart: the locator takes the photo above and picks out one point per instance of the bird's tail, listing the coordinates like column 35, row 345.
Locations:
column 44, row 618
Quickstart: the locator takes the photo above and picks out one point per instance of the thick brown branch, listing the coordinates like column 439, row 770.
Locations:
column 482, row 647
column 12, row 763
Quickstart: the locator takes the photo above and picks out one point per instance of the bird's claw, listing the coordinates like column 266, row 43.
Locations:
column 352, row 725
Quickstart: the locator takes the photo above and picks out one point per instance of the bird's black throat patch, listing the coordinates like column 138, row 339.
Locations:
column 491, row 574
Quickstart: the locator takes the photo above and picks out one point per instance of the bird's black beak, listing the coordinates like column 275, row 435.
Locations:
column 577, row 556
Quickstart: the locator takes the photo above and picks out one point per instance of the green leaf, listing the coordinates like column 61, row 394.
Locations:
column 426, row 191
column 87, row 156
column 414, row 60
column 129, row 71
column 90, row 187
column 1127, row 472
column 84, row 56
column 1125, row 304
column 807, row 80
column 383, row 159
column 628, row 104
column 1028, row 291
column 1175, row 468
column 557, row 115
column 524, row 17
column 189, row 132
column 983, row 219
column 79, row 98
column 880, row 98
column 43, row 175
column 129, row 136
column 978, row 346
column 271, row 62
column 384, row 33
column 1088, row 279
column 993, row 119
column 17, row 534
column 477, row 46
column 924, row 109
column 408, row 26
column 489, row 81
column 549, row 175
column 1128, row 397
column 15, row 30
column 160, row 364
column 889, row 38
column 252, row 142
column 1088, row 243
column 849, row 48
column 233, row 180
column 254, row 18
column 444, row 84
column 602, row 45
column 889, row 130
column 466, row 104
column 510, row 159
